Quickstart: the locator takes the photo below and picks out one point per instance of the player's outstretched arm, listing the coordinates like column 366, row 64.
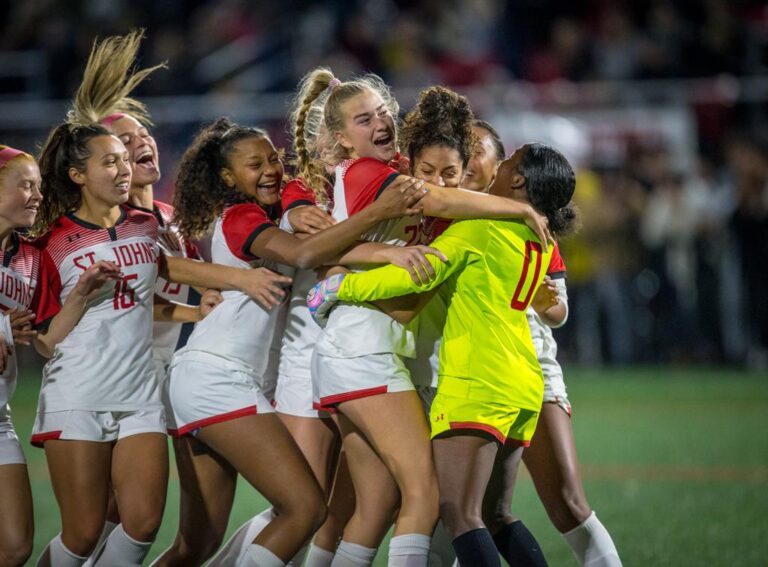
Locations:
column 261, row 284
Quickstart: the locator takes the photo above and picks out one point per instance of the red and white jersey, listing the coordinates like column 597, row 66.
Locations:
column 543, row 340
column 167, row 337
column 358, row 183
column 239, row 329
column 25, row 272
column 105, row 363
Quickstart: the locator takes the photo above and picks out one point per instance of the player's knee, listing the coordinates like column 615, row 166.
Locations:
column 143, row 523
column 457, row 519
column 15, row 551
column 83, row 539
column 424, row 495
column 306, row 511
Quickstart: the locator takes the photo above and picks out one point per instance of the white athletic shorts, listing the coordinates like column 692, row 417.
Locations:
column 204, row 389
column 336, row 380
column 294, row 395
column 554, row 386
column 103, row 426
column 10, row 448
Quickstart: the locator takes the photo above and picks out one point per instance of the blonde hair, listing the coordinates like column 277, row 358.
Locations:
column 22, row 155
column 318, row 103
column 108, row 79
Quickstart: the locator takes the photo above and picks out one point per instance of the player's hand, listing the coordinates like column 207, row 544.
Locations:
column 21, row 326
column 309, row 219
column 264, row 286
column 414, row 260
column 6, row 351
column 546, row 296
column 91, row 280
column 540, row 225
column 400, row 199
column 210, row 299
column 323, row 297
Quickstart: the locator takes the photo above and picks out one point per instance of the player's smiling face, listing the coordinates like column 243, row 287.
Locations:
column 254, row 167
column 141, row 147
column 369, row 128
column 509, row 182
column 482, row 165
column 19, row 194
column 438, row 165
column 107, row 174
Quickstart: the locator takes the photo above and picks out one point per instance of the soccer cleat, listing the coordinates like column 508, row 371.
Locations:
column 323, row 297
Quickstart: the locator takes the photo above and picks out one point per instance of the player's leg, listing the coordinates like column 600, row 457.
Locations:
column 395, row 426
column 341, row 507
column 514, row 541
column 252, row 445
column 464, row 462
column 552, row 462
column 139, row 482
column 207, row 488
column 376, row 497
column 317, row 441
column 16, row 523
column 79, row 473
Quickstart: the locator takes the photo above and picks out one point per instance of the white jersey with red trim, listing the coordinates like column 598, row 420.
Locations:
column 357, row 330
column 239, row 329
column 25, row 272
column 105, row 363
column 168, row 337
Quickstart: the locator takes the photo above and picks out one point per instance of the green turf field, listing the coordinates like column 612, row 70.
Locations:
column 675, row 463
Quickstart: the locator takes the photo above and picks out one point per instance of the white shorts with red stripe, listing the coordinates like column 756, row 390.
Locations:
column 102, row 426
column 336, row 380
column 203, row 389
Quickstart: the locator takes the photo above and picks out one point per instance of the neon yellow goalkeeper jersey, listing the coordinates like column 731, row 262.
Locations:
column 494, row 268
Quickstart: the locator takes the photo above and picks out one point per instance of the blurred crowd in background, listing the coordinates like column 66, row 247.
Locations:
column 672, row 259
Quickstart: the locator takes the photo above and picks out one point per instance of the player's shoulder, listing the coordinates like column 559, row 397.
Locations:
column 165, row 210
column 296, row 193
column 364, row 167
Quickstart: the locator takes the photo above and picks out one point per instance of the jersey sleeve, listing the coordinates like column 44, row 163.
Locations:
column 46, row 301
column 459, row 244
column 296, row 194
column 241, row 225
column 364, row 181
column 556, row 269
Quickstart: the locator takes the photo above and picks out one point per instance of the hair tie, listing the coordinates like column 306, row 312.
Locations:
column 107, row 120
column 334, row 83
column 7, row 154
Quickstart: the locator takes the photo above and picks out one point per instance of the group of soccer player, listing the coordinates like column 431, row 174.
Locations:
column 352, row 397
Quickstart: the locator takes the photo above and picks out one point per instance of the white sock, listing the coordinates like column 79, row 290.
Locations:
column 121, row 550
column 298, row 559
column 57, row 555
column 318, row 557
column 258, row 556
column 592, row 544
column 108, row 527
column 441, row 552
column 409, row 550
column 237, row 545
column 352, row 555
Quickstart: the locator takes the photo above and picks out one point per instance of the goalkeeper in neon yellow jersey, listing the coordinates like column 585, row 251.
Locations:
column 490, row 384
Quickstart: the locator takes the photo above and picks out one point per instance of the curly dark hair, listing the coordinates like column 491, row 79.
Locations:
column 201, row 194
column 550, row 183
column 440, row 118
column 66, row 147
